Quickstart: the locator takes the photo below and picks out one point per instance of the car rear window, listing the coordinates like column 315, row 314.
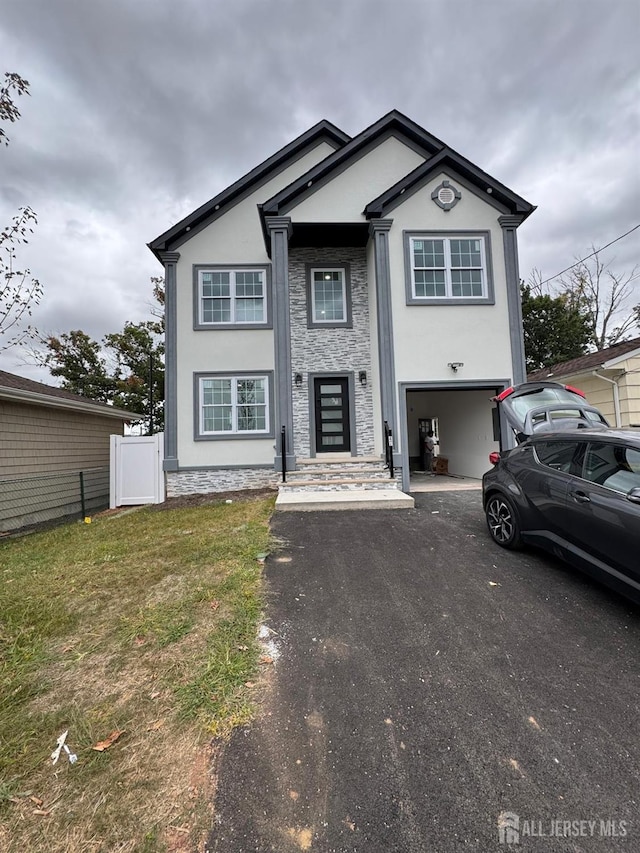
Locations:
column 556, row 454
column 544, row 397
column 614, row 466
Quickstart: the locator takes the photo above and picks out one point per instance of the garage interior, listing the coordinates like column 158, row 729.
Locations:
column 463, row 425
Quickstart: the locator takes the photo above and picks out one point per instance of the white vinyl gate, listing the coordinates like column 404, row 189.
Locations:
column 136, row 475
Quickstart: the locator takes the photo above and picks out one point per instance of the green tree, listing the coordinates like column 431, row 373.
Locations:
column 19, row 292
column 554, row 330
column 126, row 369
column 139, row 370
column 78, row 359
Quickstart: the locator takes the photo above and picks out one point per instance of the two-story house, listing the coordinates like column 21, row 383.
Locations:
column 343, row 284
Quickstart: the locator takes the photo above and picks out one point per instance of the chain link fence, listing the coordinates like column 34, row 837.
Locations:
column 33, row 501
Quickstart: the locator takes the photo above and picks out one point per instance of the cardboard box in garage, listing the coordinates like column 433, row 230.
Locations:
column 442, row 465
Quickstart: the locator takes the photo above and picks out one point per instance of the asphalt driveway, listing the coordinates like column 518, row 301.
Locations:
column 428, row 682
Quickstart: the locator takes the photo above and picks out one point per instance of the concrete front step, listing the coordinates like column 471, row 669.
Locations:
column 337, row 473
column 340, row 481
column 348, row 499
column 338, row 484
column 337, row 459
column 353, row 462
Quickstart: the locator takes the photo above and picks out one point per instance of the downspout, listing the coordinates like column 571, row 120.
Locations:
column 616, row 396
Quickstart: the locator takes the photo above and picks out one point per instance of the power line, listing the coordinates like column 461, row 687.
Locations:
column 577, row 263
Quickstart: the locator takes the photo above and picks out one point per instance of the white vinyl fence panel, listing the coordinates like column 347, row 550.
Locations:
column 136, row 470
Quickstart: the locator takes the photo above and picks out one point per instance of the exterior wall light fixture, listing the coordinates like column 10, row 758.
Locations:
column 362, row 376
column 454, row 365
column 298, row 380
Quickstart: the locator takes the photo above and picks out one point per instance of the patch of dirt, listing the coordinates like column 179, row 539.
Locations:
column 241, row 495
column 197, row 817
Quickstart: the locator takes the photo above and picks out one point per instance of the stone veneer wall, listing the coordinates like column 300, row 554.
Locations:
column 330, row 350
column 219, row 480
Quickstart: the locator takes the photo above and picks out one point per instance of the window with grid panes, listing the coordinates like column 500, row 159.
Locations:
column 230, row 404
column 448, row 267
column 232, row 296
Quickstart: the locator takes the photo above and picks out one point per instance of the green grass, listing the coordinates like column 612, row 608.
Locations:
column 144, row 622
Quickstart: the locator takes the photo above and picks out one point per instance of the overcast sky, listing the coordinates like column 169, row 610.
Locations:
column 141, row 110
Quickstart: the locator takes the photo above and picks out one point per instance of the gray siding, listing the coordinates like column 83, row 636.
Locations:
column 37, row 440
column 331, row 350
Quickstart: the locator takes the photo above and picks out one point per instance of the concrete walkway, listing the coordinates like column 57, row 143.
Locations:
column 428, row 682
column 421, row 482
column 340, row 500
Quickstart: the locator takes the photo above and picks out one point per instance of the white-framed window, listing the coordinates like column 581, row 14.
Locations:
column 328, row 296
column 233, row 405
column 231, row 297
column 448, row 267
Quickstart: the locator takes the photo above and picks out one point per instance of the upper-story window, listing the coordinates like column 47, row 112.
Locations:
column 448, row 268
column 328, row 296
column 230, row 298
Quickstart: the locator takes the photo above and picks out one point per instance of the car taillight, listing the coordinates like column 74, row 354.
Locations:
column 575, row 391
column 494, row 457
column 503, row 395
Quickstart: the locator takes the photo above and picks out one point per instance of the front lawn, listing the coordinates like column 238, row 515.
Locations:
column 142, row 623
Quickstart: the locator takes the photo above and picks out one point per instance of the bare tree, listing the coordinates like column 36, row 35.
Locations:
column 8, row 108
column 603, row 296
column 19, row 292
column 600, row 295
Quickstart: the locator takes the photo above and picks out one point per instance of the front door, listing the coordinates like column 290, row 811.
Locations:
column 332, row 415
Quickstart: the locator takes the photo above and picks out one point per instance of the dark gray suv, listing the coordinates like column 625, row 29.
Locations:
column 571, row 486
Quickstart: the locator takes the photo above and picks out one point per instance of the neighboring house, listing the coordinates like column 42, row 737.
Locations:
column 342, row 284
column 47, row 436
column 610, row 378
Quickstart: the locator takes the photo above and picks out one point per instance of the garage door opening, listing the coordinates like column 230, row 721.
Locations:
column 465, row 431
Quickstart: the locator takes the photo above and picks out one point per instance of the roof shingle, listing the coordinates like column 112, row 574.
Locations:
column 12, row 381
column 591, row 360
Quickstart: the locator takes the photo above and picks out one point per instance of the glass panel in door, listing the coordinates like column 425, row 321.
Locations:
column 332, row 415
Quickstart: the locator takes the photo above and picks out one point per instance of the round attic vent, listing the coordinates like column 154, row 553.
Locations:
column 445, row 195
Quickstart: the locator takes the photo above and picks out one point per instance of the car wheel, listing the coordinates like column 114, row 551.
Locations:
column 502, row 521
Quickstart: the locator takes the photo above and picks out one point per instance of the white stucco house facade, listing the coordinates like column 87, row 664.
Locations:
column 341, row 285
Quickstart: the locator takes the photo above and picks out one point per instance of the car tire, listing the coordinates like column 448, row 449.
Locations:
column 502, row 521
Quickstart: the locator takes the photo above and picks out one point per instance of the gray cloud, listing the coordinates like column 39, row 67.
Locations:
column 141, row 111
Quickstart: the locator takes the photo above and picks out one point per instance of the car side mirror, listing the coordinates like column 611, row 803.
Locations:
column 634, row 495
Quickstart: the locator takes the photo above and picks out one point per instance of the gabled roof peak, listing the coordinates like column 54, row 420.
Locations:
column 346, row 150
column 392, row 121
column 497, row 193
column 435, row 152
column 321, row 131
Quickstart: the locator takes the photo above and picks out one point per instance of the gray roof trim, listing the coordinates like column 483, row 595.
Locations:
column 17, row 395
column 500, row 195
column 393, row 121
column 323, row 131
